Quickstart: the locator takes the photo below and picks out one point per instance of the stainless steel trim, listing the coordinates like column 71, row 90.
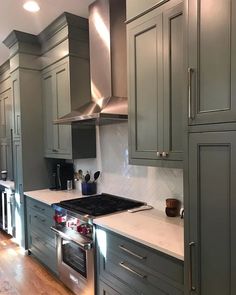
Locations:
column 190, row 113
column 82, row 242
column 192, row 287
column 122, row 247
column 122, row 264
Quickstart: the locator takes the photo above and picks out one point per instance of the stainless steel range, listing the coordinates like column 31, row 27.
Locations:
column 76, row 237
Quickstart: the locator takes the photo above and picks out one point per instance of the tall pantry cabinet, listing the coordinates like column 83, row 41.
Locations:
column 30, row 170
column 210, row 169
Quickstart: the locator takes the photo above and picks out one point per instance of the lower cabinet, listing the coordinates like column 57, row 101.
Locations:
column 127, row 267
column 41, row 240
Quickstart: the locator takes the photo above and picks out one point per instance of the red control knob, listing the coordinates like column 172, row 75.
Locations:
column 59, row 218
column 84, row 229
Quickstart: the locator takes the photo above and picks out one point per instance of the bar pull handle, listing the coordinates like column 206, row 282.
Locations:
column 122, row 247
column 122, row 264
column 192, row 287
column 190, row 109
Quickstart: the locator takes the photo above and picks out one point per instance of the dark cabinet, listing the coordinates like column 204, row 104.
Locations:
column 132, row 268
column 155, row 51
column 212, row 61
column 211, row 217
column 41, row 240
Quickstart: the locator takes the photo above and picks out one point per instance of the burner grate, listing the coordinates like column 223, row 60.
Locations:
column 100, row 204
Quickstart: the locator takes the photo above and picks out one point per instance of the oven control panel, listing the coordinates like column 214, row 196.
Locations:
column 67, row 220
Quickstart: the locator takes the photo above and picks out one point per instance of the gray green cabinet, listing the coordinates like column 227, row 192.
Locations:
column 56, row 99
column 127, row 267
column 41, row 240
column 155, row 53
column 64, row 141
column 210, row 255
column 211, row 61
column 136, row 8
column 6, row 124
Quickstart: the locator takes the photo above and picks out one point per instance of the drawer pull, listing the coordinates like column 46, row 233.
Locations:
column 42, row 220
column 37, row 207
column 122, row 264
column 132, row 253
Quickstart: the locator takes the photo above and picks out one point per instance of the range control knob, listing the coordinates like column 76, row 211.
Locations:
column 84, row 229
column 59, row 218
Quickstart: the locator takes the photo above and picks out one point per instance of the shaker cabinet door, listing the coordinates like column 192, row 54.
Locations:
column 173, row 83
column 16, row 104
column 212, row 61
column 145, row 89
column 212, row 213
column 56, row 101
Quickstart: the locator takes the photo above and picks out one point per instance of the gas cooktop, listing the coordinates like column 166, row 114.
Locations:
column 102, row 204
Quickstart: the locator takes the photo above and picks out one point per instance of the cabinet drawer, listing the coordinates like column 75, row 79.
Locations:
column 40, row 207
column 44, row 251
column 117, row 270
column 146, row 259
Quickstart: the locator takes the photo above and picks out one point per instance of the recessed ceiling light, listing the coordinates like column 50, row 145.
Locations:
column 31, row 6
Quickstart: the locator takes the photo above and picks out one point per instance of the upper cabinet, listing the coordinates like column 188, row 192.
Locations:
column 136, row 8
column 155, row 53
column 56, row 100
column 66, row 86
column 212, row 61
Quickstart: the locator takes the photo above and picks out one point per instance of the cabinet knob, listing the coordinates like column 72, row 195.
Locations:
column 159, row 154
column 164, row 154
column 55, row 151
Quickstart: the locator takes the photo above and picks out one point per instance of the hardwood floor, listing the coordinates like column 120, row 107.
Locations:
column 21, row 274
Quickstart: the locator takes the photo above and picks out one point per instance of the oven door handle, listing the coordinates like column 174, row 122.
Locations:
column 81, row 242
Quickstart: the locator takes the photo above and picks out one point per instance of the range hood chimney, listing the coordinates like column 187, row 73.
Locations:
column 107, row 33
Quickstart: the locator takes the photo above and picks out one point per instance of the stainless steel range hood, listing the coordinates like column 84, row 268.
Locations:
column 107, row 34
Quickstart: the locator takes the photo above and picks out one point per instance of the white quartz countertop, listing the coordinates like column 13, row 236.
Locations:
column 50, row 197
column 8, row 184
column 151, row 228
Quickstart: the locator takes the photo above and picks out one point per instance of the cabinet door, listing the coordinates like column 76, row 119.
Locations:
column 16, row 104
column 56, row 98
column 19, row 198
column 61, row 107
column 49, row 128
column 6, row 155
column 145, row 88
column 173, row 83
column 212, row 227
column 212, row 45
column 5, row 114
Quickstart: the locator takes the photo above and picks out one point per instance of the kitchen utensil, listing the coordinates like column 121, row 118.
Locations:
column 96, row 175
column 81, row 176
column 142, row 208
column 87, row 178
column 69, row 185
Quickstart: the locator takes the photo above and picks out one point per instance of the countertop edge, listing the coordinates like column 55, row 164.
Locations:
column 141, row 241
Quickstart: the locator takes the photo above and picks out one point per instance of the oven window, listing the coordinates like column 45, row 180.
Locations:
column 74, row 256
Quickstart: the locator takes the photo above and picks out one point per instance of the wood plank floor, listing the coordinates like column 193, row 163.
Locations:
column 21, row 274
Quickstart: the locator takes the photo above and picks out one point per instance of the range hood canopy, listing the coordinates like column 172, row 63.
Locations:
column 107, row 33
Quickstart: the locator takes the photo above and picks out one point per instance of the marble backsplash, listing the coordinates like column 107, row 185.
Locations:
column 150, row 184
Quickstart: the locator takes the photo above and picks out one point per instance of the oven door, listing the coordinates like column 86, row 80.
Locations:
column 75, row 263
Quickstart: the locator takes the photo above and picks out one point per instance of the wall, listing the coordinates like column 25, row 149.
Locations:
column 150, row 184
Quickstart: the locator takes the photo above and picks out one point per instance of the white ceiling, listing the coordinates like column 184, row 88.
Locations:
column 14, row 17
